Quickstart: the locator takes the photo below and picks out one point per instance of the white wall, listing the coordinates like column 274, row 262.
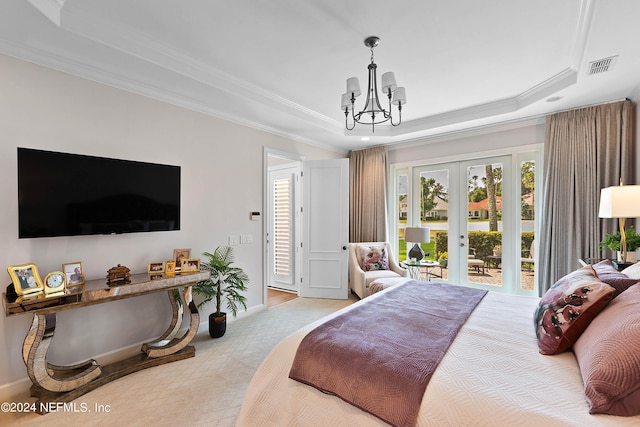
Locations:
column 469, row 145
column 222, row 181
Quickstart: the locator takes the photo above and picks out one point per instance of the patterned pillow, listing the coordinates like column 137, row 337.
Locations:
column 373, row 257
column 608, row 353
column 568, row 307
column 611, row 276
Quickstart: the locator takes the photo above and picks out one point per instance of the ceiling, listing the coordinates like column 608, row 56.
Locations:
column 281, row 65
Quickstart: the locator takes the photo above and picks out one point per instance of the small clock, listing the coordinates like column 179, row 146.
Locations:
column 54, row 282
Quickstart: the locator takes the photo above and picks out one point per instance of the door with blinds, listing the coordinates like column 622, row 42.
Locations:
column 283, row 219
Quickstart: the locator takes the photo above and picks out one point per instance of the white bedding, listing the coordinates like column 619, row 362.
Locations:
column 491, row 375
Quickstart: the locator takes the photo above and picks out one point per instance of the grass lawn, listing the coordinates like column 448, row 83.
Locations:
column 428, row 248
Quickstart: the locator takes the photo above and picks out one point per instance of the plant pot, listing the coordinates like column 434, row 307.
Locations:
column 631, row 256
column 217, row 325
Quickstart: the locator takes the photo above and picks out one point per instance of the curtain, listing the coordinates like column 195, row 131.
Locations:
column 585, row 150
column 368, row 173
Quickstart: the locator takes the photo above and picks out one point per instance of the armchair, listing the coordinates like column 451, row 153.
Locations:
column 359, row 280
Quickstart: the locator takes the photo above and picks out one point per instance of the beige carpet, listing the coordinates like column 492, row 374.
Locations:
column 206, row 390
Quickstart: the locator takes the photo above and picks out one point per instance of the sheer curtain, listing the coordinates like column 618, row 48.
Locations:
column 585, row 150
column 368, row 173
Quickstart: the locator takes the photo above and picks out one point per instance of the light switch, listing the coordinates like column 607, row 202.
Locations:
column 233, row 240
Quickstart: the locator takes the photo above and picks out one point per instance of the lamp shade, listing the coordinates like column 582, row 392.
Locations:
column 345, row 102
column 399, row 96
column 389, row 82
column 416, row 235
column 353, row 86
column 621, row 201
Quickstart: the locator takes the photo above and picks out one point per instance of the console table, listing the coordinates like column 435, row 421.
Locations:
column 52, row 383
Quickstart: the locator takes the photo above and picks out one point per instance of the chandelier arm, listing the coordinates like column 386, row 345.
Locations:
column 346, row 121
column 399, row 116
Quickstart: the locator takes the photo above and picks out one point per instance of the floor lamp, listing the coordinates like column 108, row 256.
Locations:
column 622, row 202
column 416, row 235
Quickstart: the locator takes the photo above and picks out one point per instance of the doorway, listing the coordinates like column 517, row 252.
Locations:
column 282, row 223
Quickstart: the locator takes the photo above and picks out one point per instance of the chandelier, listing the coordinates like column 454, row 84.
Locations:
column 373, row 113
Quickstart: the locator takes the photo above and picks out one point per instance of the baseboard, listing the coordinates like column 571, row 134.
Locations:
column 204, row 320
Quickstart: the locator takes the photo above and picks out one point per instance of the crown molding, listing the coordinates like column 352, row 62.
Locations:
column 51, row 9
column 130, row 42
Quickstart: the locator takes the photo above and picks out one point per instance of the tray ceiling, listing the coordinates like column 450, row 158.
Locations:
column 281, row 65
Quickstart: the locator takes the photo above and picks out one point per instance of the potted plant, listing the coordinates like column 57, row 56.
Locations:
column 613, row 241
column 443, row 259
column 226, row 282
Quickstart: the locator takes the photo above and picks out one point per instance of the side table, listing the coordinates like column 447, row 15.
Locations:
column 415, row 269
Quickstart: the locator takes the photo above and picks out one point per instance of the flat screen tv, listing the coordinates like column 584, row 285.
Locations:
column 63, row 194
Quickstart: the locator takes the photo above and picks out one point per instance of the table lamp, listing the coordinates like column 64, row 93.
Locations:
column 416, row 235
column 622, row 202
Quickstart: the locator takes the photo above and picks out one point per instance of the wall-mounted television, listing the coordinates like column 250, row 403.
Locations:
column 62, row 194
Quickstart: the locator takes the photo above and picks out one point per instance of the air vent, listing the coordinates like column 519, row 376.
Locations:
column 602, row 65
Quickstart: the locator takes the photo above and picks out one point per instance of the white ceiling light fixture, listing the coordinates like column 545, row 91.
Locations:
column 373, row 113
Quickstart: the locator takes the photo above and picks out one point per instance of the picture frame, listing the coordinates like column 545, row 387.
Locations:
column 190, row 265
column 26, row 279
column 179, row 255
column 170, row 268
column 74, row 273
column 156, row 267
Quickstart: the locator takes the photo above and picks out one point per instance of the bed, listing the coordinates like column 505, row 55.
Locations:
column 492, row 374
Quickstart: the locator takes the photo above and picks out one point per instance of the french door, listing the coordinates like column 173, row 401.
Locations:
column 480, row 214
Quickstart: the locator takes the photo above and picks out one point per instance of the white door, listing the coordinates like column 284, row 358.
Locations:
column 282, row 226
column 326, row 229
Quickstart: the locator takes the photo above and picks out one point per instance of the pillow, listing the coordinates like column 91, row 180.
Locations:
column 568, row 307
column 608, row 354
column 633, row 271
column 373, row 257
column 611, row 276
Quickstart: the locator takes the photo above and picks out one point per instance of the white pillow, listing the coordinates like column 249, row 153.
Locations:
column 633, row 271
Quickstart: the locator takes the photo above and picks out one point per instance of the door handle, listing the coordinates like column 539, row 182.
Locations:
column 344, row 248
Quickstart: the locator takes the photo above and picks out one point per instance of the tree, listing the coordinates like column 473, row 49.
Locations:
column 478, row 195
column 491, row 198
column 431, row 193
column 527, row 186
column 440, row 192
column 497, row 179
column 427, row 196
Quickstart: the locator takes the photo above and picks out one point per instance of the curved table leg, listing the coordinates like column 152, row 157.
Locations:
column 52, row 377
column 168, row 343
column 177, row 308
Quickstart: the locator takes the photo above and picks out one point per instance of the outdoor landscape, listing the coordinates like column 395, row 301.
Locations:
column 484, row 225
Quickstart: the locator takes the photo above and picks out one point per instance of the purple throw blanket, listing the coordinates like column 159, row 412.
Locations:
column 381, row 355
